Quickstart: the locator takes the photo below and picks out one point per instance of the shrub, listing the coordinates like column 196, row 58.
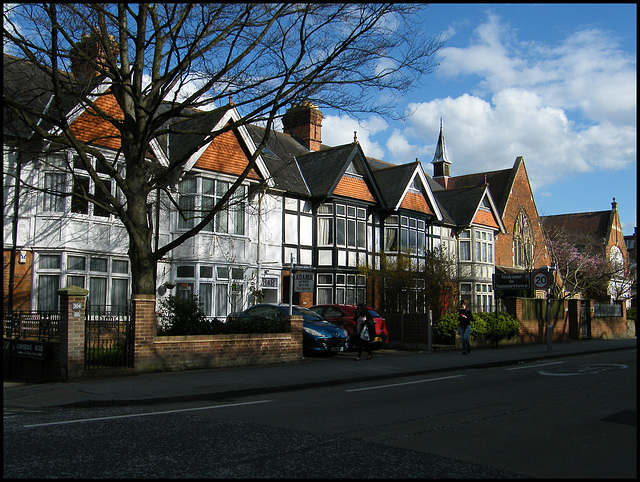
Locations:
column 494, row 326
column 444, row 329
column 182, row 316
column 631, row 314
column 485, row 326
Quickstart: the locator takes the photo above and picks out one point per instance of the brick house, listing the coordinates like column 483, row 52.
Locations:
column 331, row 209
column 521, row 247
column 604, row 230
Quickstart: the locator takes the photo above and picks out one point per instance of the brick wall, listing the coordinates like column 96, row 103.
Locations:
column 521, row 197
column 564, row 320
column 171, row 353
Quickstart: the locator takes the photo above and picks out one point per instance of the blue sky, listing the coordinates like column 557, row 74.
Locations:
column 553, row 83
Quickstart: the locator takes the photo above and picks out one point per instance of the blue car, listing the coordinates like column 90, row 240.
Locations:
column 319, row 335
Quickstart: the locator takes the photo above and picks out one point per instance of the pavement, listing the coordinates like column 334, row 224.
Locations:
column 224, row 383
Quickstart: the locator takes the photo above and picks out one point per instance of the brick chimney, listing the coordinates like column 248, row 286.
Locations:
column 304, row 122
column 88, row 52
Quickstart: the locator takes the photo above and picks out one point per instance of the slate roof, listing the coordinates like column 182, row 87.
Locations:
column 29, row 85
column 324, row 169
column 461, row 204
column 596, row 224
column 436, row 188
column 393, row 181
column 279, row 156
column 197, row 123
column 499, row 182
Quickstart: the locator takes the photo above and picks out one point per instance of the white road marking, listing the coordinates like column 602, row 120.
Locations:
column 535, row 366
column 400, row 384
column 145, row 414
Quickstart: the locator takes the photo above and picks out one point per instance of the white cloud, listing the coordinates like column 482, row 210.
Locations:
column 587, row 71
column 568, row 109
column 339, row 130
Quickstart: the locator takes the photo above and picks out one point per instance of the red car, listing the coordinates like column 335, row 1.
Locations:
column 345, row 317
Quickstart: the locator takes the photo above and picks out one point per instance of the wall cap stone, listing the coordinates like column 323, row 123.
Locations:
column 73, row 291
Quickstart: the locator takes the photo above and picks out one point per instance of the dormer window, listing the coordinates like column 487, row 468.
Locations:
column 351, row 170
column 415, row 184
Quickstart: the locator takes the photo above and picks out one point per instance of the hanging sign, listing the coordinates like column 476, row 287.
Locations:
column 303, row 282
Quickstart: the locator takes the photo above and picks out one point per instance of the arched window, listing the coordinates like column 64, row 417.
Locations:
column 617, row 262
column 522, row 241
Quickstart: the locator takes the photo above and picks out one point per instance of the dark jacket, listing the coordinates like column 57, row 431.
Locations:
column 465, row 321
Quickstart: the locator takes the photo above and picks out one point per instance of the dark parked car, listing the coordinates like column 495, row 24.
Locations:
column 319, row 335
column 345, row 316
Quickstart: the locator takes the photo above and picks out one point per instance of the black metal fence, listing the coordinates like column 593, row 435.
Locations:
column 40, row 325
column 108, row 341
column 607, row 310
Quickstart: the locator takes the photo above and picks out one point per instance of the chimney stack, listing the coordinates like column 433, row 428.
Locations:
column 88, row 54
column 304, row 122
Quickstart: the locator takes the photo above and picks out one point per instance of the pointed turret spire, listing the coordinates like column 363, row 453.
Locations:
column 440, row 160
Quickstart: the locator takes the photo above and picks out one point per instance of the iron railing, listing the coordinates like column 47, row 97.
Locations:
column 108, row 339
column 603, row 310
column 41, row 325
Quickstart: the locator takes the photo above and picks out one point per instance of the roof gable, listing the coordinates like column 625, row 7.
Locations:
column 228, row 152
column 464, row 205
column 91, row 127
column 326, row 173
column 396, row 184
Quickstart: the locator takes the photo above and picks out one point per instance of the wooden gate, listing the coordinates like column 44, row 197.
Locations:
column 108, row 341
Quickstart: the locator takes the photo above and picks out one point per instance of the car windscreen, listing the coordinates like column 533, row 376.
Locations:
column 306, row 313
column 374, row 314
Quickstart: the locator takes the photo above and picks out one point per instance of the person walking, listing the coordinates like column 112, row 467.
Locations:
column 464, row 320
column 363, row 330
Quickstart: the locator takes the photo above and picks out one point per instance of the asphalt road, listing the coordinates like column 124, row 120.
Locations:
column 573, row 417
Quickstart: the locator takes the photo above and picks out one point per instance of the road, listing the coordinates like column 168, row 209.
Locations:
column 564, row 417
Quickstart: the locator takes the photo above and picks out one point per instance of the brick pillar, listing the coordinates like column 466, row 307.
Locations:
column 72, row 310
column 293, row 325
column 144, row 319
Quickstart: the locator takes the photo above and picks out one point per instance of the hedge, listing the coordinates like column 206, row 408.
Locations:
column 492, row 327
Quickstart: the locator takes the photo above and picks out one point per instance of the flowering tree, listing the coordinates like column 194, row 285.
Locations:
column 581, row 270
column 584, row 267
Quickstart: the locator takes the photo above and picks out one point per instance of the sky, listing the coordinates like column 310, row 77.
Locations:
column 554, row 83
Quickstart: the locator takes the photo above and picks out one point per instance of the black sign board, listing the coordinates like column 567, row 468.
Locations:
column 27, row 349
column 513, row 281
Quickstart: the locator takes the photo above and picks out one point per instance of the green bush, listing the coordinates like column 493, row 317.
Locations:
column 631, row 314
column 494, row 327
column 485, row 326
column 182, row 316
column 106, row 356
column 444, row 329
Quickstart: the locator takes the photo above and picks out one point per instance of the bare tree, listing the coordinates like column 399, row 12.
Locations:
column 411, row 286
column 170, row 67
